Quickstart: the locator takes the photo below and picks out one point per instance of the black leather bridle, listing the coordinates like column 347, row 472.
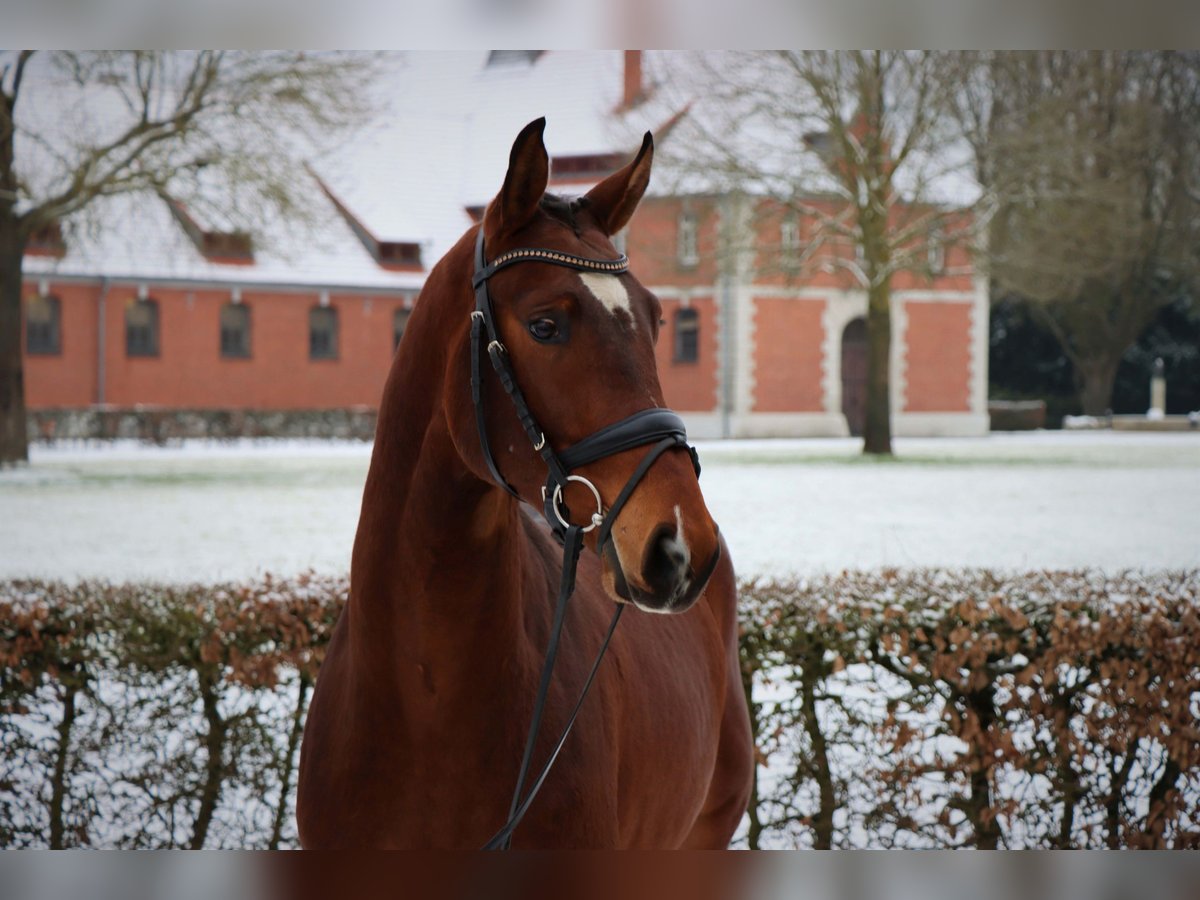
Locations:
column 660, row 427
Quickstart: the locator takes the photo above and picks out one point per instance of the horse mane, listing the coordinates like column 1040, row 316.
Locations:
column 563, row 209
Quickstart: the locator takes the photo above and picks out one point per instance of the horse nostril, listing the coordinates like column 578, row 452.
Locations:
column 666, row 567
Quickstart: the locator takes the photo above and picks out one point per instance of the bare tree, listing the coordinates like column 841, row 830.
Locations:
column 219, row 130
column 862, row 146
column 1093, row 160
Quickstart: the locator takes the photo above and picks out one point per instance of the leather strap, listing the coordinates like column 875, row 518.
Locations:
column 641, row 428
column 503, row 838
column 635, row 479
column 477, row 330
column 572, row 544
column 660, row 427
column 483, row 322
column 551, row 257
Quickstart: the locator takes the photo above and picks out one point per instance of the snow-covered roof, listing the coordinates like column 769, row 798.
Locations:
column 408, row 176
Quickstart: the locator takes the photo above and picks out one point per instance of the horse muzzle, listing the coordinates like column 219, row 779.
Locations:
column 667, row 579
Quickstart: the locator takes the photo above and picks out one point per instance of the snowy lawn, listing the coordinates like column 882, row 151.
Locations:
column 213, row 511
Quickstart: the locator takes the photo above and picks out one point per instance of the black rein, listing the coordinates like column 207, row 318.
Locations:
column 660, row 427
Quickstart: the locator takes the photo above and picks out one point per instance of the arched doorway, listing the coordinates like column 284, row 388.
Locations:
column 854, row 375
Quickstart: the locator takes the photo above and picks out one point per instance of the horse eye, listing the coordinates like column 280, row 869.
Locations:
column 544, row 329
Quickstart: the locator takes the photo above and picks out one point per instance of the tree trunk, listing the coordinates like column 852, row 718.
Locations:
column 1160, row 812
column 877, row 433
column 61, row 778
column 289, row 763
column 822, row 770
column 1096, row 380
column 981, row 806
column 14, row 443
column 214, row 748
column 747, row 652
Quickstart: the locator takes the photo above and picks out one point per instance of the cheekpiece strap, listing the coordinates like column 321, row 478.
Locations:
column 483, row 324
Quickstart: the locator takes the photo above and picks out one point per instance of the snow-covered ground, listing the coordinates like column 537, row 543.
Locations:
column 210, row 511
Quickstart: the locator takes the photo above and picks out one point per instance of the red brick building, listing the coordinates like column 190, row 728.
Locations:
column 161, row 311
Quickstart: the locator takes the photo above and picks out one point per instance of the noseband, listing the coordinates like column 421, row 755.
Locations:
column 660, row 427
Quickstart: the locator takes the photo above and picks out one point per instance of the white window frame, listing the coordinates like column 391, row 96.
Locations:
column 936, row 252
column 688, row 239
column 789, row 234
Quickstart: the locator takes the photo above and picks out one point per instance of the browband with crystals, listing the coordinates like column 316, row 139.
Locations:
column 554, row 258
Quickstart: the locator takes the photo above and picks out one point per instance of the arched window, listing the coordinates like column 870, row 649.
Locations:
column 141, row 328
column 322, row 333
column 399, row 323
column 235, row 331
column 43, row 326
column 689, row 253
column 687, row 336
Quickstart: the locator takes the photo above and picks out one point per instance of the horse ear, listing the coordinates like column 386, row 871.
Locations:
column 528, row 173
column 614, row 199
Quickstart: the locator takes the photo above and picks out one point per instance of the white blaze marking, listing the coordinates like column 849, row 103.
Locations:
column 679, row 540
column 676, row 546
column 609, row 290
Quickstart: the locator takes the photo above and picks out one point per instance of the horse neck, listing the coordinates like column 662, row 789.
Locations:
column 439, row 555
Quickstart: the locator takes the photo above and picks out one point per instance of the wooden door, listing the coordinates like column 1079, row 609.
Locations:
column 854, row 375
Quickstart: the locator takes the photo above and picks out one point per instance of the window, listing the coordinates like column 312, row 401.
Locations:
column 621, row 241
column 399, row 323
column 501, row 58
column 322, row 333
column 399, row 253
column 688, row 253
column 141, row 328
column 687, row 336
column 235, row 331
column 43, row 326
column 789, row 234
column 937, row 252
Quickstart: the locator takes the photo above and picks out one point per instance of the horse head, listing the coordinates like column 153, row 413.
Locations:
column 581, row 347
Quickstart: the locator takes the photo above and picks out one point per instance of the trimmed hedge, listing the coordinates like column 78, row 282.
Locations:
column 148, row 715
column 946, row 709
column 891, row 708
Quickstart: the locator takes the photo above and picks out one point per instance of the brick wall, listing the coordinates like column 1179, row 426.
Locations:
column 790, row 337
column 653, row 242
column 937, row 357
column 689, row 387
column 775, row 265
column 787, row 333
column 69, row 378
column 189, row 371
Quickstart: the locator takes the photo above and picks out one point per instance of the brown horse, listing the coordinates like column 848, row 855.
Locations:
column 417, row 726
